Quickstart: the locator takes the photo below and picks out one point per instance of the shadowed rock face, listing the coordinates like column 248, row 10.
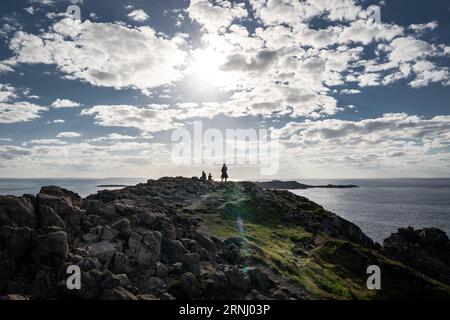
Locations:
column 426, row 250
column 179, row 238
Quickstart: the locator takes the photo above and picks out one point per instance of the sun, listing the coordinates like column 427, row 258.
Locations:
column 206, row 67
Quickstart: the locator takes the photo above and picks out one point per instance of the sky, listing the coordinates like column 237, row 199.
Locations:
column 343, row 94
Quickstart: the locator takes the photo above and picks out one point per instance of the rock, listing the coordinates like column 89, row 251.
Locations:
column 117, row 293
column 91, row 221
column 123, row 226
column 49, row 219
column 17, row 211
column 146, row 296
column 255, row 295
column 108, row 234
column 125, row 207
column 7, row 269
column 60, row 205
column 16, row 241
column 426, row 250
column 145, row 246
column 217, row 283
column 89, row 263
column 149, row 219
column 238, row 278
column 120, row 263
column 90, row 237
column 191, row 262
column 189, row 285
column 260, row 279
column 166, row 296
column 109, row 280
column 161, row 270
column 177, row 268
column 155, row 284
column 104, row 251
column 279, row 295
column 71, row 197
column 43, row 286
column 98, row 208
column 14, row 297
column 172, row 251
column 53, row 246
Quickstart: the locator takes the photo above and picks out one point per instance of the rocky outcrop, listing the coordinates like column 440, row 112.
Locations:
column 426, row 250
column 179, row 238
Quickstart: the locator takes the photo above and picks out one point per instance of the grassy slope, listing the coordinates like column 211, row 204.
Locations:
column 324, row 267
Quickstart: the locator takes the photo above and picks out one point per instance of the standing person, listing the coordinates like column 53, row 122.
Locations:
column 210, row 177
column 203, row 177
column 224, row 172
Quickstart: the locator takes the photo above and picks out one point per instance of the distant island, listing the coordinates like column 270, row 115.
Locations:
column 112, row 186
column 294, row 185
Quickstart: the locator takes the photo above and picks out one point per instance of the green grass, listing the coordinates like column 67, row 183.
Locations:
column 334, row 269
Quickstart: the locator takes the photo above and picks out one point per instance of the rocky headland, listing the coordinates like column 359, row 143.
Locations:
column 180, row 238
column 294, row 185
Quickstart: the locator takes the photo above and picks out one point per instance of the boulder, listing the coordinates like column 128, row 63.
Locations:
column 123, row 226
column 189, row 285
column 14, row 297
column 108, row 234
column 426, row 250
column 172, row 251
column 148, row 219
column 238, row 278
column 260, row 279
column 16, row 241
column 18, row 211
column 49, row 219
column 216, row 283
column 71, row 197
column 104, row 251
column 53, row 246
column 191, row 262
column 7, row 269
column 155, row 284
column 120, row 263
column 161, row 270
column 98, row 208
column 145, row 246
column 117, row 293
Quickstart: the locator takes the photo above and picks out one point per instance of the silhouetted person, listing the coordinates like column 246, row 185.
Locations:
column 224, row 172
column 210, row 178
column 203, row 178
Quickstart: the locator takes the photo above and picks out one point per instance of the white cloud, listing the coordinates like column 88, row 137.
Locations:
column 392, row 145
column 130, row 57
column 68, row 135
column 46, row 142
column 19, row 112
column 114, row 137
column 425, row 26
column 214, row 17
column 138, row 15
column 65, row 103
column 7, row 92
column 153, row 118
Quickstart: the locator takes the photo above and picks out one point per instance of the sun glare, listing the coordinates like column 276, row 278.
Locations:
column 206, row 67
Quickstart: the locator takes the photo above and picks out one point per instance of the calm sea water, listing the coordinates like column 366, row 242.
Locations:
column 83, row 187
column 379, row 207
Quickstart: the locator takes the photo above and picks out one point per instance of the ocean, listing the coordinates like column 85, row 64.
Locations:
column 378, row 207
